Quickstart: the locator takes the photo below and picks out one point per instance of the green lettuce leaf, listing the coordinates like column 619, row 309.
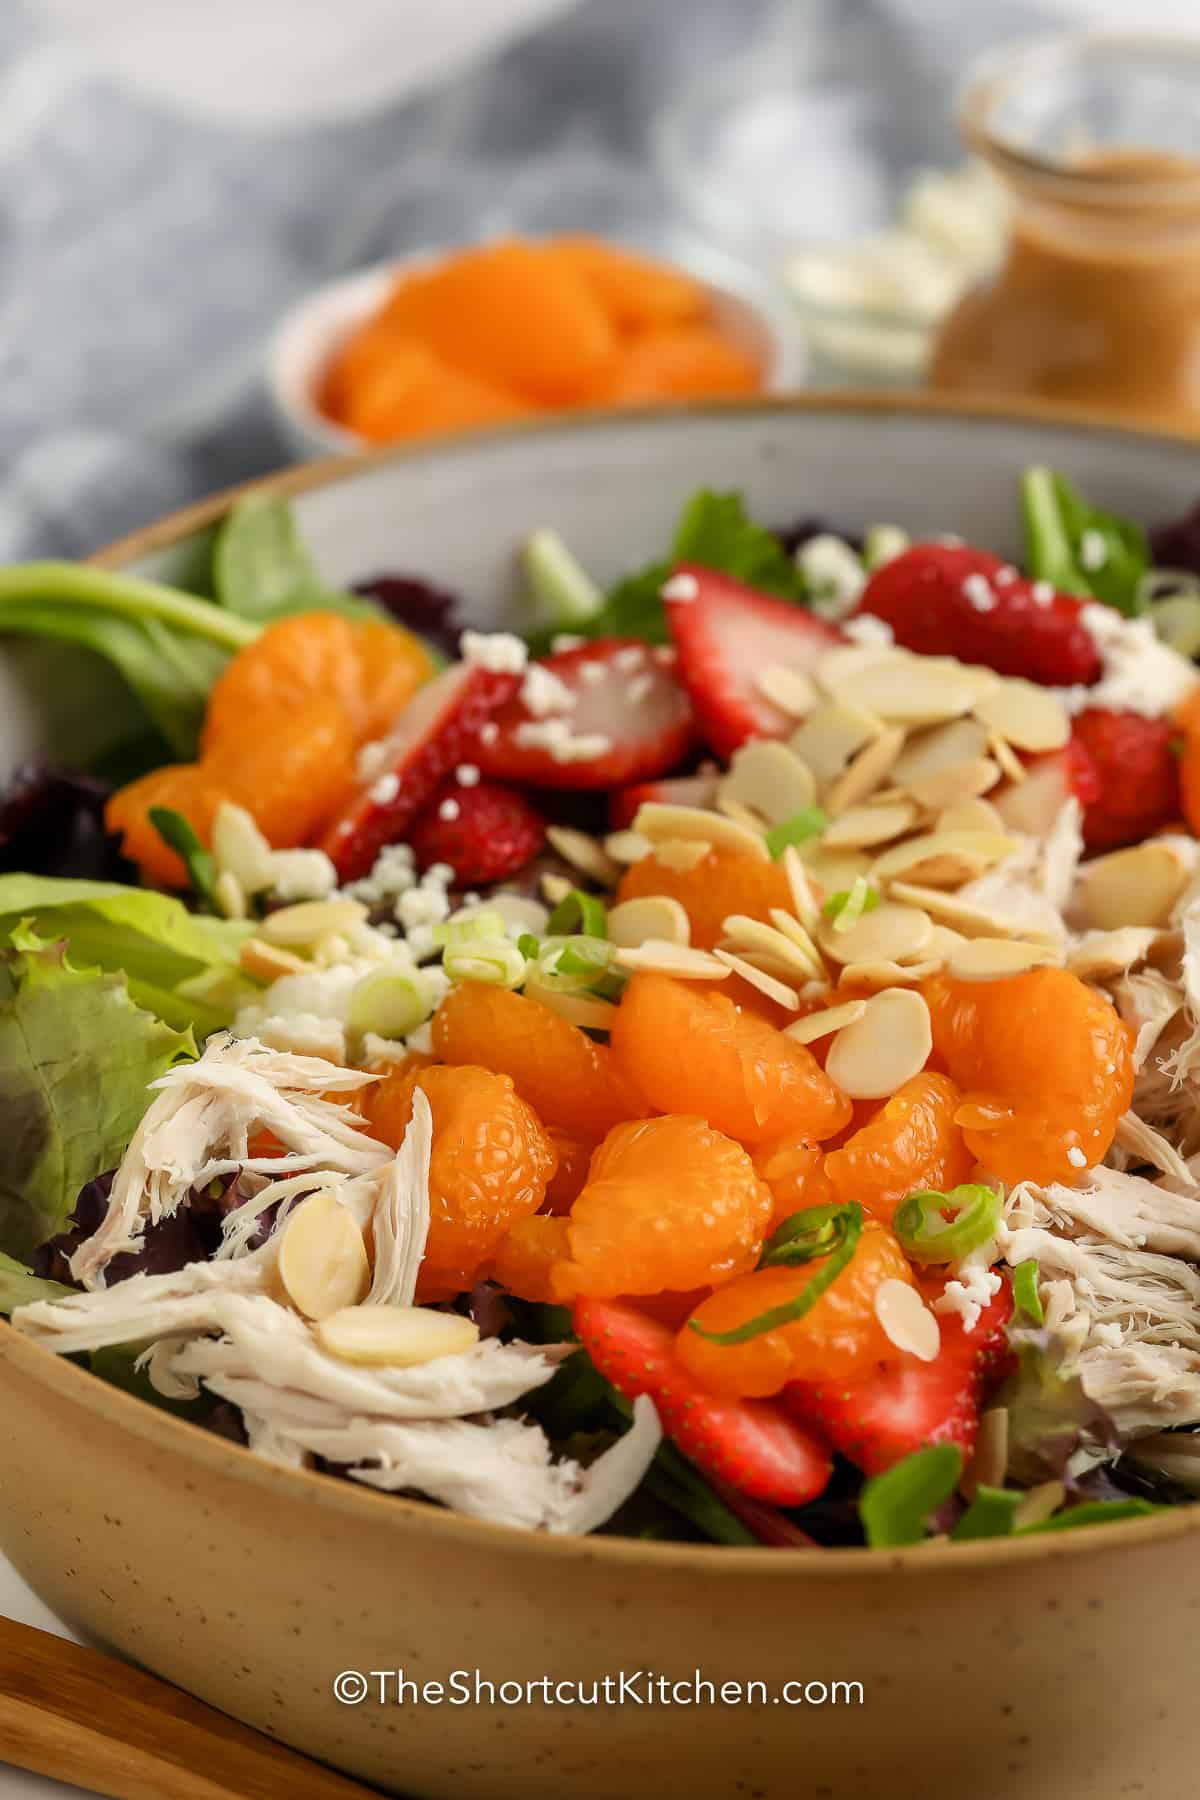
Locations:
column 76, row 1058
column 262, row 570
column 19, row 1287
column 152, row 938
column 1062, row 530
column 895, row 1507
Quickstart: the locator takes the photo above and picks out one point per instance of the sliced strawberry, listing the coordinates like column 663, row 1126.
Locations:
column 617, row 692
column 432, row 735
column 752, row 1444
column 1033, row 805
column 909, row 1404
column 485, row 833
column 728, row 636
column 678, row 790
column 1137, row 773
column 951, row 600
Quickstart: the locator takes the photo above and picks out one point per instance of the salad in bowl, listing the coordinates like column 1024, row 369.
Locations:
column 719, row 1064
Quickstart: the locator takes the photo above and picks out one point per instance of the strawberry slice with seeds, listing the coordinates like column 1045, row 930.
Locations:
column 677, row 790
column 433, row 734
column 952, row 600
column 606, row 712
column 485, row 832
column 1137, row 776
column 908, row 1405
column 752, row 1444
column 728, row 637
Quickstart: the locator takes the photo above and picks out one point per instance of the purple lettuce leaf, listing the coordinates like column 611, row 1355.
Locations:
column 1175, row 543
column 428, row 610
column 52, row 823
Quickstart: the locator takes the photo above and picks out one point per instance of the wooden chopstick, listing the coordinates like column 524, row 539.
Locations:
column 86, row 1718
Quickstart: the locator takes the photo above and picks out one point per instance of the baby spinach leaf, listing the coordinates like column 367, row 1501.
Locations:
column 262, row 569
column 895, row 1507
column 1078, row 548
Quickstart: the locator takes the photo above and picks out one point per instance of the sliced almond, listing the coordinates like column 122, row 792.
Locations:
column 240, row 847
column 960, row 781
column 659, row 822
column 993, row 959
column 555, row 888
column 840, row 666
column 989, row 1465
column 750, row 937
column 633, row 922
column 230, row 895
column 322, row 1257
column 863, row 826
column 1025, row 715
column 969, row 815
column 804, row 901
column 925, row 691
column 1099, row 955
column 880, row 975
column 863, row 775
column 585, row 854
column 395, row 1337
column 667, row 958
column 891, row 933
column 267, row 962
column 682, row 855
column 792, row 928
column 824, row 1024
column 1010, row 763
column 833, row 871
column 943, row 858
column 792, row 692
column 965, row 917
column 941, row 747
column 906, row 1320
column 943, row 942
column 627, row 846
column 883, row 1049
column 830, row 736
column 518, row 911
column 741, row 815
column 769, row 779
column 1039, row 1504
column 310, row 920
column 1131, row 887
column 779, row 991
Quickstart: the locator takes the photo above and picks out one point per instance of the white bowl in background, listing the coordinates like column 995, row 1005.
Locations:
column 756, row 317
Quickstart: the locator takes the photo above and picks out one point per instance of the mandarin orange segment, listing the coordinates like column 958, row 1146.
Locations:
column 678, row 363
column 294, row 775
column 911, row 1142
column 572, row 1172
column 310, row 656
column 447, row 401
column 669, row 1204
column 839, row 1339
column 184, row 788
column 511, row 314
column 794, row 1170
column 723, row 883
column 372, row 379
column 1046, row 1069
column 490, row 1164
column 392, row 665
column 638, row 294
column 690, row 1050
column 527, row 1255
column 571, row 1082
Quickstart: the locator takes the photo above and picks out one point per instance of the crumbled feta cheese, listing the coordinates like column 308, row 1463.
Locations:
column 833, row 571
column 865, row 628
column 1093, row 551
column 393, row 874
column 384, row 791
column 501, row 652
column 302, row 875
column 449, row 811
column 424, row 905
column 1004, row 577
column 301, row 1034
column 489, row 731
column 978, row 592
column 968, row 1293
column 1043, row 593
column 1139, row 672
column 554, row 735
column 420, row 1040
column 467, row 775
column 543, row 692
column 1076, row 1157
column 680, row 587
column 438, row 875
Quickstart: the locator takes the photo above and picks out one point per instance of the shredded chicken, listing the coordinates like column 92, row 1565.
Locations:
column 401, row 1216
column 146, row 1308
column 1147, row 1001
column 1026, row 886
column 1140, row 1144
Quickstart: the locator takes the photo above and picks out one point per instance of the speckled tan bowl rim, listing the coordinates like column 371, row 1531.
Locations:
column 203, row 1449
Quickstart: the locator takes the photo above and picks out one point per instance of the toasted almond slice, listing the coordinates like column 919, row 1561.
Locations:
column 583, row 1010
column 965, row 916
column 741, row 815
column 1098, row 955
column 1011, row 766
column 667, row 958
column 323, row 1263
column 925, row 691
column 682, row 854
column 230, row 895
column 862, row 826
column 627, row 846
column 830, row 736
column 634, row 922
column 310, row 920
column 267, row 962
column 992, row 959
column 585, row 854
column 943, row 942
column 837, row 667
column 750, row 937
column 880, row 975
column 1025, row 715
column 518, row 911
column 969, row 815
column 864, row 774
column 961, row 781
column 891, row 933
column 833, row 871
column 1131, row 887
column 890, row 1044
column 943, row 858
column 989, row 1465
column 804, row 901
column 779, row 991
column 793, row 929
column 1039, row 1504
column 555, row 887
column 767, row 778
column 824, row 1024
column 906, row 1320
column 941, row 747
column 395, row 1337
column 792, row 692
column 660, row 822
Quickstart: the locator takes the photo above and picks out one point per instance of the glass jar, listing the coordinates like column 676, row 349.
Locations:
column 1097, row 302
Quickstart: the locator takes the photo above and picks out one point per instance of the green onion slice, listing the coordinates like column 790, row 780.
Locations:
column 847, row 907
column 831, row 1231
column 809, row 822
column 1026, row 1298
column 528, row 945
column 578, row 912
column 177, row 833
column 930, row 1236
